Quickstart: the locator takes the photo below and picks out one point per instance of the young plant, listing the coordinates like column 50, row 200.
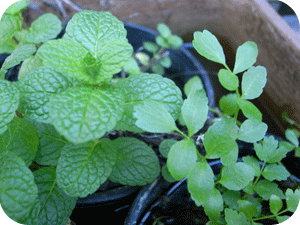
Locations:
column 237, row 194
column 56, row 120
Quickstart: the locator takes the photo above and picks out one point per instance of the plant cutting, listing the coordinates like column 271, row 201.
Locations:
column 236, row 195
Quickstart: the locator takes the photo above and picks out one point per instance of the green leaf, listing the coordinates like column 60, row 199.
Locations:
column 18, row 191
column 142, row 87
column 29, row 64
column 275, row 204
column 39, row 33
column 21, row 53
column 9, row 99
column 200, row 183
column 214, row 205
column 83, row 168
column 292, row 137
column 194, row 111
column 281, row 219
column 228, row 104
column 137, row 163
column 131, row 67
column 292, row 199
column 268, row 151
column 252, row 131
column 175, row 41
column 253, row 162
column 228, row 80
column 253, row 82
column 182, row 158
column 162, row 42
column 17, row 7
column 143, row 58
column 232, row 217
column 231, row 198
column 245, row 57
column 150, row 47
column 275, row 172
column 192, row 85
column 248, row 208
column 56, row 206
column 166, row 174
column 265, row 189
column 36, row 89
column 20, row 138
column 165, row 146
column 208, row 46
column 257, row 203
column 237, row 176
column 153, row 117
column 82, row 114
column 164, row 30
column 158, row 69
column 249, row 110
column 166, row 62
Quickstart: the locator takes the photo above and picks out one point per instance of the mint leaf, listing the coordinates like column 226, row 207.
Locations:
column 150, row 47
column 83, row 168
column 292, row 137
column 253, row 82
column 39, row 33
column 232, row 217
column 165, row 146
column 268, row 150
column 200, row 184
column 228, row 80
column 214, row 205
column 292, row 199
column 275, row 172
column 253, row 162
column 20, row 138
column 194, row 111
column 82, row 114
column 249, row 110
column 137, row 163
column 164, row 30
column 228, row 104
column 18, row 191
column 265, row 189
column 17, row 7
column 154, row 117
column 175, row 41
column 275, row 204
column 29, row 64
column 248, row 208
column 245, row 57
column 182, row 158
column 56, row 206
column 252, row 131
column 192, row 85
column 36, row 88
column 236, row 176
column 166, row 62
column 162, row 42
column 138, row 88
column 9, row 98
column 131, row 67
column 158, row 69
column 208, row 46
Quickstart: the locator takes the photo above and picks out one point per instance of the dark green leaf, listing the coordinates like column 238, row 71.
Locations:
column 232, row 217
column 165, row 146
column 245, row 57
column 275, row 204
column 166, row 174
column 228, row 80
column 248, row 208
column 292, row 199
column 231, row 198
column 228, row 104
column 265, row 189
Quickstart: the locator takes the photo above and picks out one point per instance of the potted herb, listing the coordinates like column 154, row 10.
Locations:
column 235, row 193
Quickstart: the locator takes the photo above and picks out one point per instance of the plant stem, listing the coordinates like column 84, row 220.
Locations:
column 214, row 111
column 257, row 178
column 183, row 134
column 153, row 61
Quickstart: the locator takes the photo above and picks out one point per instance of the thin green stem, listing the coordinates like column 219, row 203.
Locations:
column 257, row 178
column 214, row 111
column 183, row 134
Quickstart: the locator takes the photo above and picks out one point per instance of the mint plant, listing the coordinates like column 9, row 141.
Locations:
column 238, row 194
column 57, row 119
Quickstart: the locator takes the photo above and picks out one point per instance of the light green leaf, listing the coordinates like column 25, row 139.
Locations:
column 228, row 80
column 292, row 199
column 166, row 62
column 151, row 47
column 164, row 30
column 83, row 168
column 143, row 58
column 158, row 69
column 20, row 138
column 253, row 82
column 137, row 163
column 228, row 104
column 275, row 204
column 37, row 87
column 17, row 7
column 245, row 57
column 232, row 217
column 131, row 67
column 237, row 176
column 142, row 87
column 29, row 64
column 153, row 117
column 165, row 146
column 252, row 131
column 9, row 99
column 192, row 85
column 247, row 208
column 82, row 114
column 162, row 42
column 253, row 162
column 200, row 183
column 56, row 206
column 18, row 191
column 194, row 111
column 39, row 33
column 292, row 137
column 265, row 189
column 214, row 205
column 275, row 172
column 208, row 46
column 175, row 41
column 182, row 158
column 249, row 110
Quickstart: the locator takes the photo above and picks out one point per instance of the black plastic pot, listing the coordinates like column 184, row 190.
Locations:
column 173, row 205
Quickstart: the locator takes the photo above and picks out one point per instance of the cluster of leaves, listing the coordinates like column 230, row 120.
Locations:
column 292, row 134
column 160, row 56
column 236, row 195
column 54, row 119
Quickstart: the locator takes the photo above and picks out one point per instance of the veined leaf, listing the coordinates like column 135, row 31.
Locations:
column 252, row 131
column 228, row 80
column 245, row 56
column 17, row 7
column 253, row 162
column 232, row 217
column 82, row 114
column 137, row 163
column 249, row 110
column 29, row 64
column 9, row 99
column 248, row 208
column 275, row 172
column 265, row 189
